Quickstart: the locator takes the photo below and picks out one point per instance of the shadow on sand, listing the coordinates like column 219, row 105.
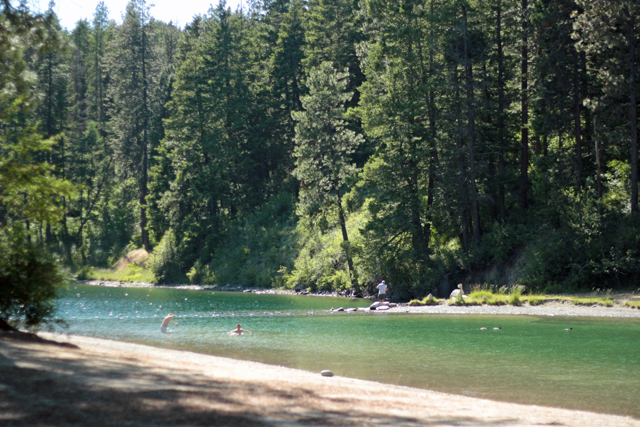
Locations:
column 41, row 385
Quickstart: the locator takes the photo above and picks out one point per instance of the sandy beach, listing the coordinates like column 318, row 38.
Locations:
column 109, row 383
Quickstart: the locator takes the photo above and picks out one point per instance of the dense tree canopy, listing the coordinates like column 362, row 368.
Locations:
column 424, row 142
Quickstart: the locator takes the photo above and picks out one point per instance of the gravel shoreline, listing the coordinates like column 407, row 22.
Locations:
column 547, row 309
column 550, row 308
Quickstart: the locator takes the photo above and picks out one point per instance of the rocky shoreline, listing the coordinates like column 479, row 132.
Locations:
column 199, row 287
column 550, row 308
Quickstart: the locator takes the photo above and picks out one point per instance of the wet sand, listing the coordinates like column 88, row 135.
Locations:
column 110, row 383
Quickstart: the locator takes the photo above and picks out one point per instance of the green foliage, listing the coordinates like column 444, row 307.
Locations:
column 515, row 296
column 491, row 295
column 462, row 301
column 130, row 273
column 632, row 304
column 257, row 251
column 30, row 193
column 606, row 301
column 428, row 300
column 535, row 300
column 165, row 263
column 199, row 274
column 197, row 141
column 321, row 257
column 323, row 143
column 324, row 146
column 85, row 273
column 30, row 279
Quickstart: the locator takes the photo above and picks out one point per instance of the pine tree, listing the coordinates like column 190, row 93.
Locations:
column 398, row 110
column 332, row 34
column 96, row 85
column 134, row 77
column 607, row 31
column 324, row 147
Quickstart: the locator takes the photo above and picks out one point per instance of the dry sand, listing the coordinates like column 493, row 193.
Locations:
column 109, row 383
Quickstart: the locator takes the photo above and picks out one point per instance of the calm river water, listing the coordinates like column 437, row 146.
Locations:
column 594, row 367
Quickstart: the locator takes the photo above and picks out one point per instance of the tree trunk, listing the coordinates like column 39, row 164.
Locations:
column 587, row 136
column 432, row 133
column 463, row 187
column 633, row 115
column 347, row 245
column 502, row 213
column 577, row 104
column 471, row 112
column 599, row 173
column 144, row 179
column 524, row 119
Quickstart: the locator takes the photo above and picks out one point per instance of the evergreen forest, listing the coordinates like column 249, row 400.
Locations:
column 325, row 145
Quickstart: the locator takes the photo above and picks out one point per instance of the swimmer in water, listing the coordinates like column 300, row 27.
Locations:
column 164, row 328
column 239, row 331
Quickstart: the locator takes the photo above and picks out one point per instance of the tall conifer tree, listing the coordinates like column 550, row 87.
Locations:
column 324, row 147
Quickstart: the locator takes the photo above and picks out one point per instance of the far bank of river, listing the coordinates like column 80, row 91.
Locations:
column 551, row 308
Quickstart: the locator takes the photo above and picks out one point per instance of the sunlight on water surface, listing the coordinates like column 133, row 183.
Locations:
column 596, row 366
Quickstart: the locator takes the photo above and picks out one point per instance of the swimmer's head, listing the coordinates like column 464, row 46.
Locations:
column 238, row 326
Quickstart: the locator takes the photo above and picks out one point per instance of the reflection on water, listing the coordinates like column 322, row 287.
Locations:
column 530, row 359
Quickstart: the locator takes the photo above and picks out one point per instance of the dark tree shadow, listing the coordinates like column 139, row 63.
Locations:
column 40, row 388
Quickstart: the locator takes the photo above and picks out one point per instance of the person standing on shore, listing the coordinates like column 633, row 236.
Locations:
column 382, row 291
column 164, row 328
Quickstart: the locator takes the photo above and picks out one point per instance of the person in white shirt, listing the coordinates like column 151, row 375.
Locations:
column 382, row 291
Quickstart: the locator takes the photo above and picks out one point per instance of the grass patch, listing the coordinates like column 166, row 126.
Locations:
column 534, row 300
column 428, row 300
column 605, row 301
column 633, row 304
column 130, row 273
column 491, row 295
column 488, row 295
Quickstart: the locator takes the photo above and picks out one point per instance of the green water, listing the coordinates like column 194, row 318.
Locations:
column 531, row 359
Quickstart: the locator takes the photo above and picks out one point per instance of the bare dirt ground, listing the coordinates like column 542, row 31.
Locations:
column 109, row 383
column 138, row 256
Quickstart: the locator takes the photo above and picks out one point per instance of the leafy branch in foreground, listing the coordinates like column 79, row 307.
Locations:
column 29, row 192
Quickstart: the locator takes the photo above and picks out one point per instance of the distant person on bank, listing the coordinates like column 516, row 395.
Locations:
column 239, row 331
column 382, row 291
column 164, row 328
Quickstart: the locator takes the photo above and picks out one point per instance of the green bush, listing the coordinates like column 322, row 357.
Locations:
column 200, row 274
column 259, row 250
column 632, row 304
column 428, row 300
column 164, row 261
column 29, row 281
column 489, row 295
column 534, row 300
column 85, row 273
column 515, row 295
